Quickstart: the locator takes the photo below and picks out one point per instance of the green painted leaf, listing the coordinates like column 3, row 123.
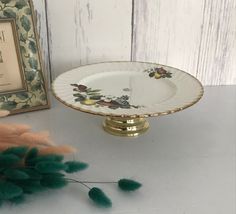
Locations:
column 169, row 75
column 96, row 97
column 43, row 97
column 30, row 75
column 32, row 47
column 9, row 190
column 79, row 99
column 95, row 90
column 20, row 4
column 25, row 22
column 2, row 98
column 22, row 39
column 9, row 13
column 152, row 74
column 25, row 106
column 22, row 95
column 27, row 11
column 78, row 95
column 9, row 105
column 22, row 48
column 5, row 1
column 37, row 86
column 93, row 94
column 33, row 63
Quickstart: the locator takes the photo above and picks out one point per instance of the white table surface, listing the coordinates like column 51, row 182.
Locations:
column 186, row 162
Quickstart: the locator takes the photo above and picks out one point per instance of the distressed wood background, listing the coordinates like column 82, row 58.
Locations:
column 196, row 36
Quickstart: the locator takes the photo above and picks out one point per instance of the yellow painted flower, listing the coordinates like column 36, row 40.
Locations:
column 88, row 102
column 157, row 75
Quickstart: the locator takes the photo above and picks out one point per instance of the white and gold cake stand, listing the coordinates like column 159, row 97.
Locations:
column 127, row 93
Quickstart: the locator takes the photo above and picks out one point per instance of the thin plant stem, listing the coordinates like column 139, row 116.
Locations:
column 99, row 182
column 75, row 181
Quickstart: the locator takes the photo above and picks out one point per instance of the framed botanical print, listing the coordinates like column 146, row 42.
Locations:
column 22, row 83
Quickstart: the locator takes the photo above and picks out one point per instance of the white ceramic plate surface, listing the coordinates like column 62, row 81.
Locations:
column 127, row 89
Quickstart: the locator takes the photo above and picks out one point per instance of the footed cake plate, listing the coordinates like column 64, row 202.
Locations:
column 127, row 92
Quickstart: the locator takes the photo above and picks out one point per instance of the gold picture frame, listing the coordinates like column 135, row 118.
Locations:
column 23, row 86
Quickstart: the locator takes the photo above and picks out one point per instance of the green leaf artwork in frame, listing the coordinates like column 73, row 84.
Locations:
column 33, row 94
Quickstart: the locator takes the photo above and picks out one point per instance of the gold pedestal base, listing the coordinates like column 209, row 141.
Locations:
column 125, row 127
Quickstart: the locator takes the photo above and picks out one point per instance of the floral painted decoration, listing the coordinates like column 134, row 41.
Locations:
column 94, row 97
column 158, row 73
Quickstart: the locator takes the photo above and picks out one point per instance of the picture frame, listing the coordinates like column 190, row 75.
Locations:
column 23, row 86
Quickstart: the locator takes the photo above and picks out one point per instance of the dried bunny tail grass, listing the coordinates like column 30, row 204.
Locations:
column 13, row 129
column 41, row 138
column 4, row 113
column 61, row 150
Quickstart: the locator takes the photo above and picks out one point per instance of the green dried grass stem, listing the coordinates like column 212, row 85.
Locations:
column 18, row 151
column 33, row 153
column 75, row 166
column 16, row 174
column 50, row 166
column 31, row 186
column 128, row 185
column 43, row 172
column 41, row 158
column 8, row 160
column 9, row 190
column 53, row 182
column 18, row 200
column 99, row 197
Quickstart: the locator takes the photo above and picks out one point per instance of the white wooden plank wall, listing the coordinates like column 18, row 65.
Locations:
column 41, row 19
column 87, row 31
column 217, row 52
column 196, row 36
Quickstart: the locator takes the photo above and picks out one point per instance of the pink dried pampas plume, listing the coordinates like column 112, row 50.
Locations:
column 14, row 135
